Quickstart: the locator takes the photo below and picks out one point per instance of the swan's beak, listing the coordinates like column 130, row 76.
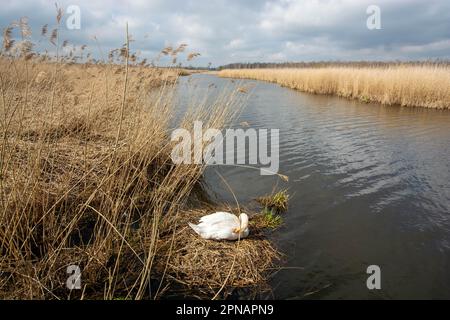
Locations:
column 237, row 230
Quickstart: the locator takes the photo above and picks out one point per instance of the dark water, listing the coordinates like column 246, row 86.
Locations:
column 370, row 185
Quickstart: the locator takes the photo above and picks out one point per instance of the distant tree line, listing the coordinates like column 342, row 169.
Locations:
column 198, row 67
column 321, row 64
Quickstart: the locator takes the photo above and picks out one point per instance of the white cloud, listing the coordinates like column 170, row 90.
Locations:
column 235, row 44
column 287, row 14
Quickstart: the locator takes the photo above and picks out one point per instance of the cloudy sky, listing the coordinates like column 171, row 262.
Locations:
column 226, row 31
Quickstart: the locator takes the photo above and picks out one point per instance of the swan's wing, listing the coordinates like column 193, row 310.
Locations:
column 219, row 230
column 219, row 226
column 219, row 217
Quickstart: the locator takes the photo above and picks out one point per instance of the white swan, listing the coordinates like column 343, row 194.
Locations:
column 222, row 226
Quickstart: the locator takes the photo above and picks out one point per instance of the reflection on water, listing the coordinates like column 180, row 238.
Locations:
column 370, row 185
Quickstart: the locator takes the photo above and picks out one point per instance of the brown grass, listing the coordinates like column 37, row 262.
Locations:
column 412, row 86
column 86, row 179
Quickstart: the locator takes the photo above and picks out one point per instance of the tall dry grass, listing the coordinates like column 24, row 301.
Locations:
column 86, row 176
column 412, row 86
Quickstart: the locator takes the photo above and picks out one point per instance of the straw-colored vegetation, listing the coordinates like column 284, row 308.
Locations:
column 86, row 179
column 405, row 85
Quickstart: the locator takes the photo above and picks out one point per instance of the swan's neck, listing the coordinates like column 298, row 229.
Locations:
column 243, row 221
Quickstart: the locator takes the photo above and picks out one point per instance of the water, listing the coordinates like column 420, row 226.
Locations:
column 370, row 184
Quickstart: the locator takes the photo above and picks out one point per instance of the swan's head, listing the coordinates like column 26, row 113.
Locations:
column 243, row 223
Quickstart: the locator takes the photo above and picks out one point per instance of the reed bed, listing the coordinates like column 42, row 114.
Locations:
column 86, row 177
column 405, row 85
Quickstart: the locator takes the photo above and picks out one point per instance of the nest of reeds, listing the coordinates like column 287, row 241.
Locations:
column 215, row 268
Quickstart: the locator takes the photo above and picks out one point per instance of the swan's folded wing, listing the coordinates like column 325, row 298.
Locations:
column 220, row 230
column 218, row 217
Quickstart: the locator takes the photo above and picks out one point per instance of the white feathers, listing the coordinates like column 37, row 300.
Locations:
column 222, row 226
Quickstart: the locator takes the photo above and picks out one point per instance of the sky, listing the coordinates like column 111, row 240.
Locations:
column 227, row 31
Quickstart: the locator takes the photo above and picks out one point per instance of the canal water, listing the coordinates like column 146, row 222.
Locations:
column 369, row 185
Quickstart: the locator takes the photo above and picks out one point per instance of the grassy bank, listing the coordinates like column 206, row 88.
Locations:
column 86, row 179
column 412, row 86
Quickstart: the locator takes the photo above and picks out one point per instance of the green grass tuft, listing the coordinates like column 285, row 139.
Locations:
column 277, row 202
column 271, row 219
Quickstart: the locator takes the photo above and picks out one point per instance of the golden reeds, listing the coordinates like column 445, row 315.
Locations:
column 412, row 86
